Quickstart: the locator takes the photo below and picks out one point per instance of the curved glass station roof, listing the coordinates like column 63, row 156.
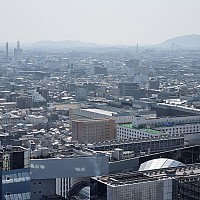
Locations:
column 159, row 163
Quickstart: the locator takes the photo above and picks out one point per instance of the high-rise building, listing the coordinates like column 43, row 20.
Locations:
column 24, row 102
column 127, row 89
column 81, row 93
column 17, row 52
column 133, row 65
column 15, row 55
column 96, row 130
column 100, row 70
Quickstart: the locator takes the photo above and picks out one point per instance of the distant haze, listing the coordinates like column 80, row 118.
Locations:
column 98, row 21
column 191, row 41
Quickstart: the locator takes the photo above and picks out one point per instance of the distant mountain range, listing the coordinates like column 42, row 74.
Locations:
column 190, row 41
column 187, row 41
column 61, row 44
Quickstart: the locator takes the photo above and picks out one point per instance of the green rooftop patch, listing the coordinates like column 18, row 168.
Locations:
column 148, row 130
column 128, row 125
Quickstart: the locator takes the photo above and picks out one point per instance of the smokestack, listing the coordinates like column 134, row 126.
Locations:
column 18, row 45
column 7, row 50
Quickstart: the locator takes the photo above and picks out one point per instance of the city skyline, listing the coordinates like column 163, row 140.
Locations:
column 103, row 22
column 90, row 108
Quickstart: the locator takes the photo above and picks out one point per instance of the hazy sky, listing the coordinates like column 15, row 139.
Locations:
column 99, row 21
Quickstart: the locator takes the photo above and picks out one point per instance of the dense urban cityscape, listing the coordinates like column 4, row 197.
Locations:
column 100, row 123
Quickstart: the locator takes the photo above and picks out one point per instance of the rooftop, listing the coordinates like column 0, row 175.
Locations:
column 148, row 130
column 180, row 172
column 71, row 152
column 99, row 111
column 152, row 131
column 135, row 140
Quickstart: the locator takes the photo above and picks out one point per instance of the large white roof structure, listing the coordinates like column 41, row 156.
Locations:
column 159, row 163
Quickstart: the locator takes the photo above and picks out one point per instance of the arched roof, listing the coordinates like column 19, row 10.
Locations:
column 159, row 163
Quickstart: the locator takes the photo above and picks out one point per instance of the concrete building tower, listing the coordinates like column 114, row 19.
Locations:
column 17, row 51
